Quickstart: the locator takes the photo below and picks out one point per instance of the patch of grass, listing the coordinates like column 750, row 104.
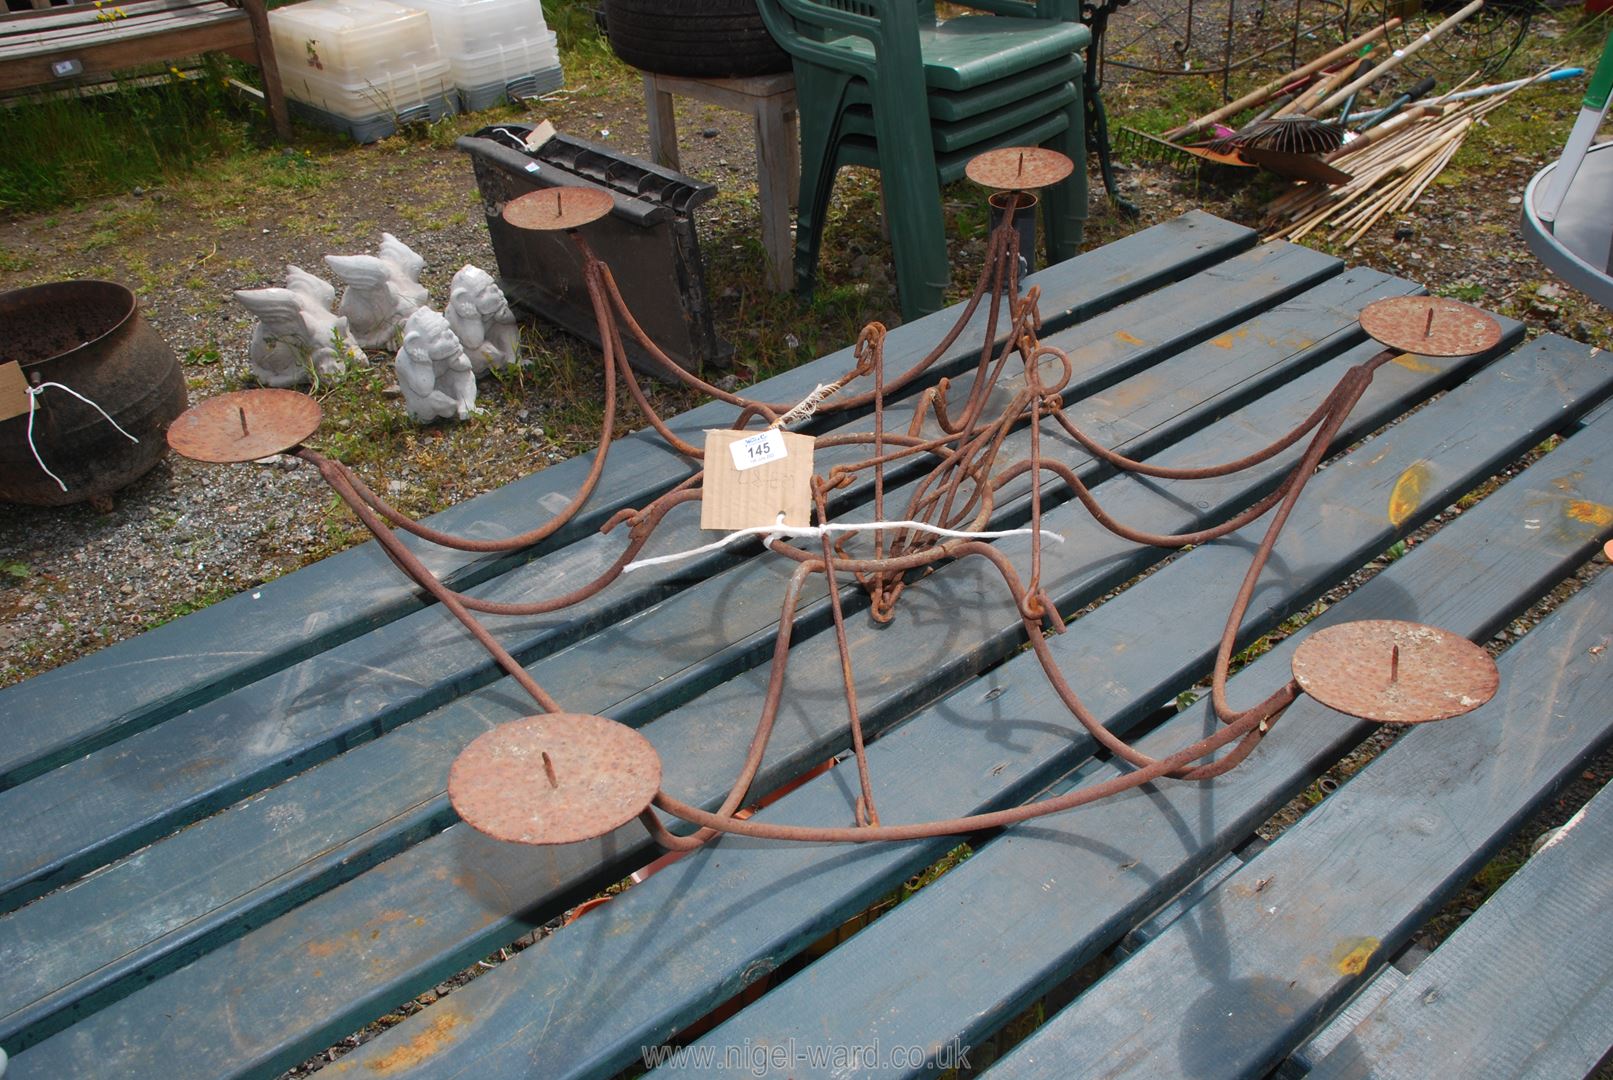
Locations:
column 293, row 170
column 1177, row 99
column 206, row 598
column 857, row 923
column 937, row 870
column 1263, row 645
column 568, row 376
column 586, row 52
column 63, row 150
column 1495, row 873
column 100, row 238
column 435, row 213
column 129, row 222
column 203, row 355
column 1468, row 293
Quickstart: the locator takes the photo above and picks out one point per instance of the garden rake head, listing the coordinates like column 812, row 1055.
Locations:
column 1293, row 134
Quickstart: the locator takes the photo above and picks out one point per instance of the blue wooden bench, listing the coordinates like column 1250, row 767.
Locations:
column 229, row 846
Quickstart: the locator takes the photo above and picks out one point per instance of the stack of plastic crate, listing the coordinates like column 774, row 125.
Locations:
column 497, row 49
column 361, row 66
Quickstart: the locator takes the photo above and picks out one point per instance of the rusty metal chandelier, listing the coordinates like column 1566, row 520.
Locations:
column 561, row 777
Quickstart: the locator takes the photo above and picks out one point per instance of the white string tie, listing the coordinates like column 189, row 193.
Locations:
column 812, row 532
column 808, row 405
column 35, row 391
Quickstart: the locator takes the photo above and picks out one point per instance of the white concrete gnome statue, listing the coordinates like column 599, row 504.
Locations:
column 383, row 290
column 433, row 371
column 483, row 320
column 297, row 337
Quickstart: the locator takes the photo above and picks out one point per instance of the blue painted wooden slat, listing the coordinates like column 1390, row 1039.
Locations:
column 1240, row 980
column 108, row 950
column 352, row 954
column 139, row 682
column 1522, row 988
column 1297, row 1066
column 1156, row 923
column 688, row 937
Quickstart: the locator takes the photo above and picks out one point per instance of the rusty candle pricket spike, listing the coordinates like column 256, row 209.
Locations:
column 1407, row 324
column 504, row 784
column 557, row 209
column 1433, row 674
column 1019, row 168
column 563, row 777
column 216, row 430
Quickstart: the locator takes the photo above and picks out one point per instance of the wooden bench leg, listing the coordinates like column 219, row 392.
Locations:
column 273, row 95
column 792, row 139
column 771, row 103
column 777, row 166
column 663, row 123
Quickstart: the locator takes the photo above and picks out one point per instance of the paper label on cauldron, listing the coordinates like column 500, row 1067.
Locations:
column 777, row 481
column 14, row 399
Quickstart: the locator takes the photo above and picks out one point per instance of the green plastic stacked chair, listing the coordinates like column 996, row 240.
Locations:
column 884, row 84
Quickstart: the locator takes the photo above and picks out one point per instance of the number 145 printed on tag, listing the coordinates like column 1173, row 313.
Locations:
column 758, row 449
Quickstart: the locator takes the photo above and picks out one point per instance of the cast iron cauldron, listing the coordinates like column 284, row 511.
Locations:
column 87, row 335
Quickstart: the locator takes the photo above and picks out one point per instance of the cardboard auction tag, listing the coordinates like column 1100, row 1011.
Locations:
column 753, row 476
column 539, row 136
column 14, row 399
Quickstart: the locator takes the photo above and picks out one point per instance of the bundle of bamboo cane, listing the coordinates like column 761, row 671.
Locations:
column 1391, row 166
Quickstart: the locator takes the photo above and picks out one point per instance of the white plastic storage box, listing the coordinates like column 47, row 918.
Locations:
column 496, row 49
column 361, row 66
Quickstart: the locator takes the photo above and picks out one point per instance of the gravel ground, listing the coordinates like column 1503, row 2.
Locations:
column 76, row 578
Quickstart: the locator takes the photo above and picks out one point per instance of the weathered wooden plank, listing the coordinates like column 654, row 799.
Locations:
column 162, row 778
column 1297, row 1066
column 1178, row 905
column 71, row 38
column 254, row 737
column 226, row 30
column 353, row 958
column 200, row 872
column 140, row 682
column 20, row 22
column 1522, row 988
column 1238, row 982
column 694, row 933
column 1044, row 899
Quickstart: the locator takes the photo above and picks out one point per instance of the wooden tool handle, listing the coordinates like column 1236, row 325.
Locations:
column 1275, row 86
column 1400, row 57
